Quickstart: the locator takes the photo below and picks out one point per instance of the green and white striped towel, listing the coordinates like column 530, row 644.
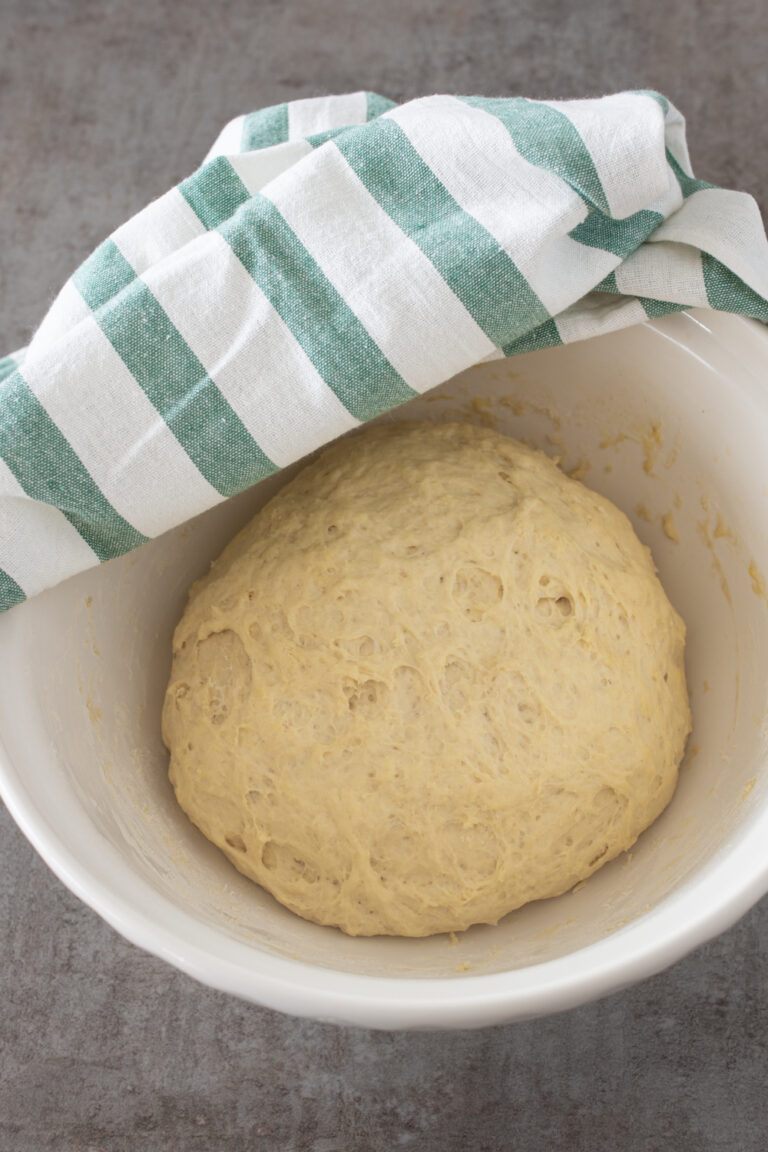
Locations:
column 330, row 259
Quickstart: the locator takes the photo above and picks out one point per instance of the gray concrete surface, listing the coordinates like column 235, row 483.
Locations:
column 103, row 105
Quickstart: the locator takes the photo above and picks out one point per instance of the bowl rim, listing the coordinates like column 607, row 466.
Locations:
column 720, row 891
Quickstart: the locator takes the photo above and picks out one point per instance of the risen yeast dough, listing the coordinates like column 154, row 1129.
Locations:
column 433, row 679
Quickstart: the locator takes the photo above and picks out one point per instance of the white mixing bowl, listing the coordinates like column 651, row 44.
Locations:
column 671, row 420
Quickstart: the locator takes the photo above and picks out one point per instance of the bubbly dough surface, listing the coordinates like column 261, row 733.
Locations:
column 433, row 679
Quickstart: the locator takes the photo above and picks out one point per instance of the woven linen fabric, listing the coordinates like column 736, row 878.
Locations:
column 332, row 258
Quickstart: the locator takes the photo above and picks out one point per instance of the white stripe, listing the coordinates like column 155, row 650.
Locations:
column 473, row 156
column 597, row 314
column 123, row 442
column 624, row 135
column 563, row 270
column 527, row 210
column 674, row 130
column 40, row 546
column 158, row 230
column 322, row 113
column 229, row 140
column 728, row 226
column 664, row 271
column 256, row 169
column 246, row 347
column 417, row 321
column 66, row 312
column 671, row 198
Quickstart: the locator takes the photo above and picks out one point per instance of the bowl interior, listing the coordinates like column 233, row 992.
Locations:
column 669, row 420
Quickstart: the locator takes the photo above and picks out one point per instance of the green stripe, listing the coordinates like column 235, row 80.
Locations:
column 377, row 105
column 163, row 364
column 265, row 128
column 319, row 138
column 9, row 364
column 48, row 470
column 214, row 192
column 656, row 308
column 10, row 592
column 621, row 237
column 548, row 139
column 608, row 284
column 545, row 336
column 688, row 184
column 103, row 276
column 482, row 275
column 727, row 293
column 338, row 345
column 653, row 308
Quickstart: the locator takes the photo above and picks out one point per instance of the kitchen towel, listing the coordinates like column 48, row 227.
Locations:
column 330, row 259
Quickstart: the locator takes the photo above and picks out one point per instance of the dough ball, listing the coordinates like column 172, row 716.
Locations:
column 433, row 679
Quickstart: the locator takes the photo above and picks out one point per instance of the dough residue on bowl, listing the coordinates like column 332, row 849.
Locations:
column 432, row 680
